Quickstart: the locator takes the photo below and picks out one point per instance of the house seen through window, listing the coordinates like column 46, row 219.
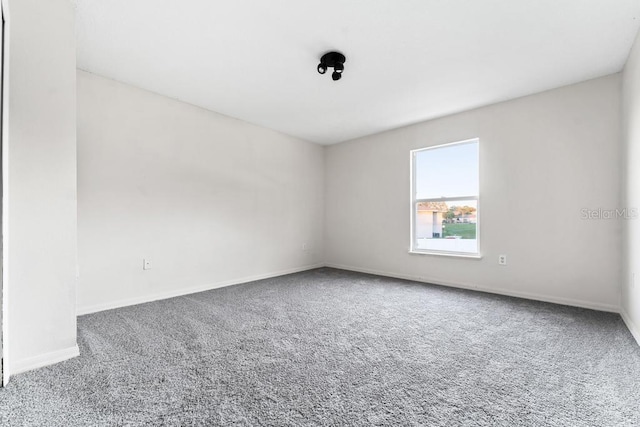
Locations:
column 445, row 199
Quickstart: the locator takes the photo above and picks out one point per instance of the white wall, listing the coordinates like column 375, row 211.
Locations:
column 631, row 189
column 210, row 199
column 543, row 158
column 39, row 183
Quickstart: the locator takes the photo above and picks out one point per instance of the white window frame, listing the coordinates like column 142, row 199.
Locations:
column 414, row 204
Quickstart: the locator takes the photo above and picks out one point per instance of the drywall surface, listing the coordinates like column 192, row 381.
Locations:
column 630, row 300
column 544, row 159
column 39, row 183
column 208, row 199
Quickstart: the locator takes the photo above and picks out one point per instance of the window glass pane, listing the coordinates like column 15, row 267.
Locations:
column 447, row 226
column 447, row 171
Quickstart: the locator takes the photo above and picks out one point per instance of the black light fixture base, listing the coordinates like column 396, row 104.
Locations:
column 330, row 59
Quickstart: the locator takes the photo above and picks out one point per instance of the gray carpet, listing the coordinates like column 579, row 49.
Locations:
column 329, row 347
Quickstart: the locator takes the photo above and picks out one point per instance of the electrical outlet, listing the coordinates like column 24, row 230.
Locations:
column 502, row 259
column 146, row 264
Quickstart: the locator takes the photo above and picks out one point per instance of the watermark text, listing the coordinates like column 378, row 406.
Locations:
column 600, row 213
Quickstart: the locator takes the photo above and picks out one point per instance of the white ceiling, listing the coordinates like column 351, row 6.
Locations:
column 407, row 60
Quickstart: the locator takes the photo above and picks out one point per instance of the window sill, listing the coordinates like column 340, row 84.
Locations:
column 447, row 254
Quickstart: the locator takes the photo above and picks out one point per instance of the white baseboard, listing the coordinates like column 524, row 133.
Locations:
column 633, row 328
column 45, row 359
column 186, row 291
column 506, row 292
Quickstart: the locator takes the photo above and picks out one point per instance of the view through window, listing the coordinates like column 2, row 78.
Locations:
column 445, row 198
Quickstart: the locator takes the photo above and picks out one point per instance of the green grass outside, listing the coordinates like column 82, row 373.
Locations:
column 467, row 231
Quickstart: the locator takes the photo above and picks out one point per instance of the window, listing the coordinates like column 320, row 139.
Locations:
column 445, row 199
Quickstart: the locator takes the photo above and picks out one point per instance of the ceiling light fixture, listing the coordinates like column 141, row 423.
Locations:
column 335, row 60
